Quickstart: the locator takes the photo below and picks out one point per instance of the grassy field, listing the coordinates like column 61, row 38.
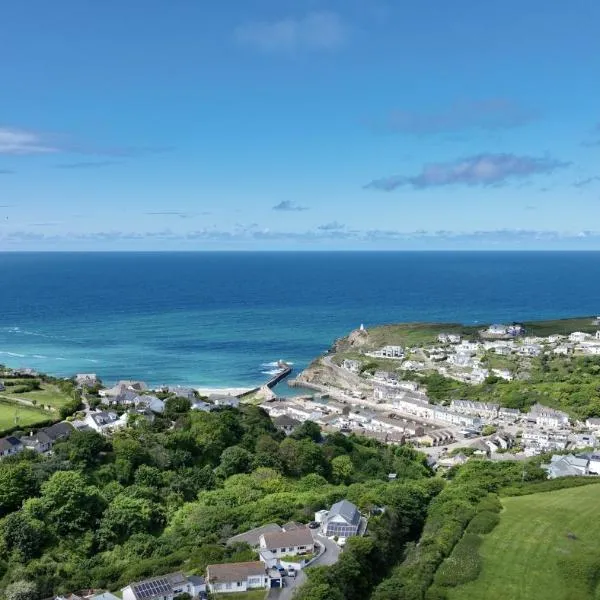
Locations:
column 410, row 334
column 546, row 546
column 251, row 595
column 27, row 415
column 49, row 395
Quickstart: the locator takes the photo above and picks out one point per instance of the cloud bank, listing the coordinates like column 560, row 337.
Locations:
column 316, row 31
column 490, row 114
column 289, row 206
column 481, row 169
column 19, row 141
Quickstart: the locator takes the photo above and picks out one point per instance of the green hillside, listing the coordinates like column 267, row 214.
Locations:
column 546, row 546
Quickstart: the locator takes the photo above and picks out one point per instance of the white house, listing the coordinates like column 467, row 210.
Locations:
column 509, row 414
column 449, row 338
column 548, row 417
column 224, row 400
column 579, row 336
column 154, row 403
column 288, row 543
column 351, row 365
column 88, row 379
column 471, row 407
column 165, row 587
column 9, row 446
column 103, row 421
column 343, row 520
column 593, row 423
column 566, row 466
column 236, row 577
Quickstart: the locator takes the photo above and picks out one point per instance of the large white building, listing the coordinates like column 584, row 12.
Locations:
column 471, row 407
column 237, row 577
column 548, row 417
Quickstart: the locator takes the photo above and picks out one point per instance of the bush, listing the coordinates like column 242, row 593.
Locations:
column 463, row 565
column 483, row 522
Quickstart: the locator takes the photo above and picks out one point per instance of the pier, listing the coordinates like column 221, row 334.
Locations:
column 284, row 372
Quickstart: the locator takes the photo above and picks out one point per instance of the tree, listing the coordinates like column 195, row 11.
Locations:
column 69, row 503
column 235, row 459
column 175, row 407
column 83, row 448
column 342, row 468
column 24, row 533
column 17, row 483
column 21, row 590
column 126, row 516
column 308, row 429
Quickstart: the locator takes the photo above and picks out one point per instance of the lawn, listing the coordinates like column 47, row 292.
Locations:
column 27, row 416
column 547, row 545
column 251, row 595
column 49, row 395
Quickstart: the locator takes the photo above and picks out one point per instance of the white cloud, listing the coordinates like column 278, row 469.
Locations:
column 16, row 141
column 315, row 31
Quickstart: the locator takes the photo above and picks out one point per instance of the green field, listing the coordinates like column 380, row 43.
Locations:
column 251, row 595
column 27, row 416
column 410, row 334
column 49, row 395
column 546, row 546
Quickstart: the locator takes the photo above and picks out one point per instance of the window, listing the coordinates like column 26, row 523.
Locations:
column 239, row 584
column 228, row 586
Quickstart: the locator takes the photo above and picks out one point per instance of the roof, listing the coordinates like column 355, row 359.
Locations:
column 104, row 596
column 104, row 418
column 295, row 537
column 345, row 509
column 196, row 580
column 231, row 572
column 58, row 431
column 157, row 586
column 9, row 443
column 286, row 421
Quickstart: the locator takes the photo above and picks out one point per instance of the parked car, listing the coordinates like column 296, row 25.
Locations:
column 291, row 572
column 313, row 525
column 281, row 569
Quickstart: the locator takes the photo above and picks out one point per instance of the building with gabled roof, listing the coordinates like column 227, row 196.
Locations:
column 238, row 577
column 342, row 520
column 10, row 446
column 289, row 542
column 164, row 587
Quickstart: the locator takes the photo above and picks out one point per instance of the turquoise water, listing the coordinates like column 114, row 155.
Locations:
column 219, row 319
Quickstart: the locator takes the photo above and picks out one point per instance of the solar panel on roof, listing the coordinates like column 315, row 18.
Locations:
column 151, row 589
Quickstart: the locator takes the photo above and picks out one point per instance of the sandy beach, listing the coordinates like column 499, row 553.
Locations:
column 227, row 391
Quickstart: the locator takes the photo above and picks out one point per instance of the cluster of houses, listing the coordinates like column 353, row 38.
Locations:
column 41, row 441
column 463, row 360
column 569, row 465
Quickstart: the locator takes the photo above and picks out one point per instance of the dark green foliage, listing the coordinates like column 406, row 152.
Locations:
column 102, row 512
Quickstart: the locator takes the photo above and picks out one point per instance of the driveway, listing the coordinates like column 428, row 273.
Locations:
column 329, row 556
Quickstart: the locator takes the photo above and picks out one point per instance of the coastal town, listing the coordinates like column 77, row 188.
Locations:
column 357, row 388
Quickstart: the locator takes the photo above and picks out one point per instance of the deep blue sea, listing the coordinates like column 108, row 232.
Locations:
column 218, row 319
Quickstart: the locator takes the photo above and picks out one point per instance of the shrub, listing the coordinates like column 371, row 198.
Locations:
column 483, row 522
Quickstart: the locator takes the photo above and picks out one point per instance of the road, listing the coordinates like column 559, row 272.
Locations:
column 329, row 556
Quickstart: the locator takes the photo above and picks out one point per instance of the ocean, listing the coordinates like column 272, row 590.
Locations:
column 222, row 319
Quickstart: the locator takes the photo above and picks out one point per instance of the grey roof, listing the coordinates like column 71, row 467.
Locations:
column 347, row 510
column 104, row 417
column 9, row 443
column 196, row 580
column 104, row 596
column 283, row 539
column 157, row 586
column 58, row 431
column 224, row 400
column 286, row 421
column 232, row 572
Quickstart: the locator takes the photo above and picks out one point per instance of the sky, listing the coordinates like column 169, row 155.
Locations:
column 299, row 124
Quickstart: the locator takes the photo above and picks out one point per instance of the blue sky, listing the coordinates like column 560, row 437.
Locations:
column 299, row 124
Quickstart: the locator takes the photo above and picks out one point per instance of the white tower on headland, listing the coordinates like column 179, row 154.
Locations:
column 362, row 327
